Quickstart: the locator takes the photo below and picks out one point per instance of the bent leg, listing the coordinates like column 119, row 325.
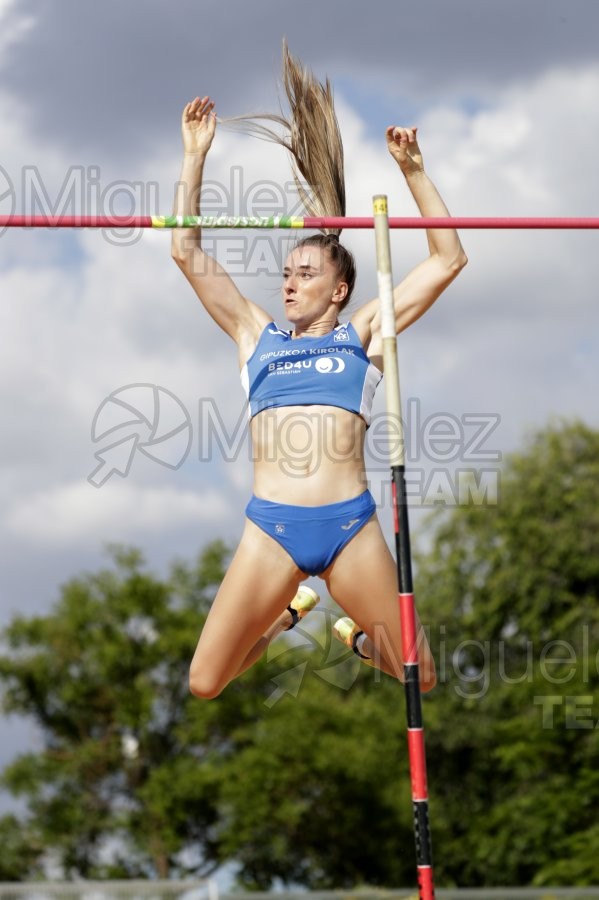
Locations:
column 255, row 592
column 363, row 581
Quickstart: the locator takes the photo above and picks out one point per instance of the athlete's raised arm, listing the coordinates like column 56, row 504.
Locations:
column 238, row 316
column 423, row 285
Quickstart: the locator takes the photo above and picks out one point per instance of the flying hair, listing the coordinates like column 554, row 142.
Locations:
column 310, row 134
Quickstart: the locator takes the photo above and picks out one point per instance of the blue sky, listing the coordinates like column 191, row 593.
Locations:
column 504, row 94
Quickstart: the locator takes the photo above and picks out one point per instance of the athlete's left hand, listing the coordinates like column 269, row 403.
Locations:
column 403, row 147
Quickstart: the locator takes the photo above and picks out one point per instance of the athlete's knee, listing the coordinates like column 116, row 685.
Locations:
column 203, row 684
column 428, row 675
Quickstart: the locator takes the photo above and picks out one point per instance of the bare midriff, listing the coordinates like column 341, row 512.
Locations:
column 308, row 455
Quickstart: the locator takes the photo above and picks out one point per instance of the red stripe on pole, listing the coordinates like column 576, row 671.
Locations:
column 417, row 763
column 408, row 628
column 426, row 887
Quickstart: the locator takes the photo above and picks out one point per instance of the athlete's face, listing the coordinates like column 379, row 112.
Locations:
column 310, row 284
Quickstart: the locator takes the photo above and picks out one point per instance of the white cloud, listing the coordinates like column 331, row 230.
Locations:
column 77, row 513
column 13, row 25
column 515, row 332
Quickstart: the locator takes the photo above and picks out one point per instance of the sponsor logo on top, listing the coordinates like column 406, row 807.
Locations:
column 341, row 335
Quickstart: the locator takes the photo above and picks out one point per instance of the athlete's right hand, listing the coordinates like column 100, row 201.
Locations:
column 198, row 124
column 402, row 144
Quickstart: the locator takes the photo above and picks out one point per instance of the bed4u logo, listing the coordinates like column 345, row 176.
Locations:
column 325, row 365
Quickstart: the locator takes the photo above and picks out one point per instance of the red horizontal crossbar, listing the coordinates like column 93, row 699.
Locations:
column 42, row 221
column 458, row 222
column 474, row 222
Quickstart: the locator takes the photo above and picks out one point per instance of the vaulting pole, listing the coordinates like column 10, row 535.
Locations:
column 407, row 610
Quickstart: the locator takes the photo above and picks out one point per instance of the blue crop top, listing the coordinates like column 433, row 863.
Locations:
column 331, row 370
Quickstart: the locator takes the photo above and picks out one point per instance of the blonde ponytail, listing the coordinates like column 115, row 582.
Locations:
column 312, row 138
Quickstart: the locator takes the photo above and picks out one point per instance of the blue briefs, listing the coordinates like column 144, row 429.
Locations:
column 312, row 535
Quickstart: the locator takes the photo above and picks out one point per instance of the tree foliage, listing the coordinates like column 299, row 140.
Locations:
column 128, row 755
column 298, row 773
column 513, row 592
column 21, row 854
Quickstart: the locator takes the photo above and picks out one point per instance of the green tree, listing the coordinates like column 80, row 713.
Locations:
column 510, row 592
column 279, row 775
column 130, row 758
column 513, row 741
column 21, row 854
column 133, row 765
column 325, row 791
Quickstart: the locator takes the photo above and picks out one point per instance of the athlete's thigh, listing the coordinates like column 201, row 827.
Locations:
column 259, row 584
column 363, row 581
